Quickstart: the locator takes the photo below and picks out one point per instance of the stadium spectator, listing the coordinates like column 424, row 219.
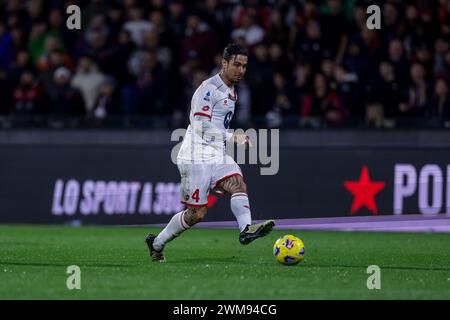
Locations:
column 117, row 66
column 97, row 25
column 27, row 95
column 417, row 93
column 41, row 43
column 308, row 47
column 395, row 67
column 302, row 82
column 107, row 102
column 281, row 98
column 177, row 19
column 249, row 30
column 444, row 17
column 348, row 87
column 279, row 59
column 198, row 41
column 391, row 22
column 57, row 26
column 165, row 33
column 256, row 8
column 308, row 12
column 22, row 62
column 387, row 90
column 259, row 76
column 335, row 30
column 14, row 14
column 359, row 16
column 5, row 93
column 88, row 80
column 91, row 9
column 445, row 72
column 217, row 16
column 152, row 86
column 151, row 42
column 438, row 109
column 62, row 98
column 441, row 47
column 326, row 68
column 56, row 60
column 98, row 48
column 323, row 103
column 375, row 116
column 115, row 18
column 6, row 49
column 398, row 59
column 278, row 31
column 17, row 39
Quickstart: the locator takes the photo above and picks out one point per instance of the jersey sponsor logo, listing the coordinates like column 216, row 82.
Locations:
column 207, row 97
column 205, row 108
column 227, row 120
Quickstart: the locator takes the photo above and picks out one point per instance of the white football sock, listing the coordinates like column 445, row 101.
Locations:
column 241, row 209
column 173, row 229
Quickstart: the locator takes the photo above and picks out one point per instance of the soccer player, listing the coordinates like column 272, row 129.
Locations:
column 202, row 159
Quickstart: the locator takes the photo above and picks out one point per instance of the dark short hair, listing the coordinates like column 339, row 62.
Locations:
column 233, row 49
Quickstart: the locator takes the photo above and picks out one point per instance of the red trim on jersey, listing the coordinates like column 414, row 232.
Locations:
column 202, row 114
column 226, row 177
column 193, row 205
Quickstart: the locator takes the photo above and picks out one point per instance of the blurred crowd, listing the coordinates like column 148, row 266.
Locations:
column 311, row 63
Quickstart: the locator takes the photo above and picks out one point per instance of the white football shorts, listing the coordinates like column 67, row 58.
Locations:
column 198, row 179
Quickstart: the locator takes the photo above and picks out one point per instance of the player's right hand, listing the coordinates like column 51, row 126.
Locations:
column 242, row 139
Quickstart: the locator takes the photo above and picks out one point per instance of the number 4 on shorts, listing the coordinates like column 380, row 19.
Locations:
column 196, row 195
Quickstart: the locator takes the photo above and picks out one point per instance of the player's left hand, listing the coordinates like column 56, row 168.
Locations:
column 242, row 139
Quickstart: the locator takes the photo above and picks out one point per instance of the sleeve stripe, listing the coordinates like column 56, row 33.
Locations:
column 202, row 114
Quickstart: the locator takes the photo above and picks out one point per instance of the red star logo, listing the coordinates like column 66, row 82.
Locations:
column 364, row 191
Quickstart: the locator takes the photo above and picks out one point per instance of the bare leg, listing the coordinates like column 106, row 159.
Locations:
column 178, row 224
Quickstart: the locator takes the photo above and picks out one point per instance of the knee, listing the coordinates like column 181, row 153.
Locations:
column 194, row 215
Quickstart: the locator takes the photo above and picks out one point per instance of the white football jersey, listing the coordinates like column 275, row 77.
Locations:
column 215, row 101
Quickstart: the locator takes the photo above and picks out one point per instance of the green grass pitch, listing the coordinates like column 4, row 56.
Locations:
column 211, row 264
